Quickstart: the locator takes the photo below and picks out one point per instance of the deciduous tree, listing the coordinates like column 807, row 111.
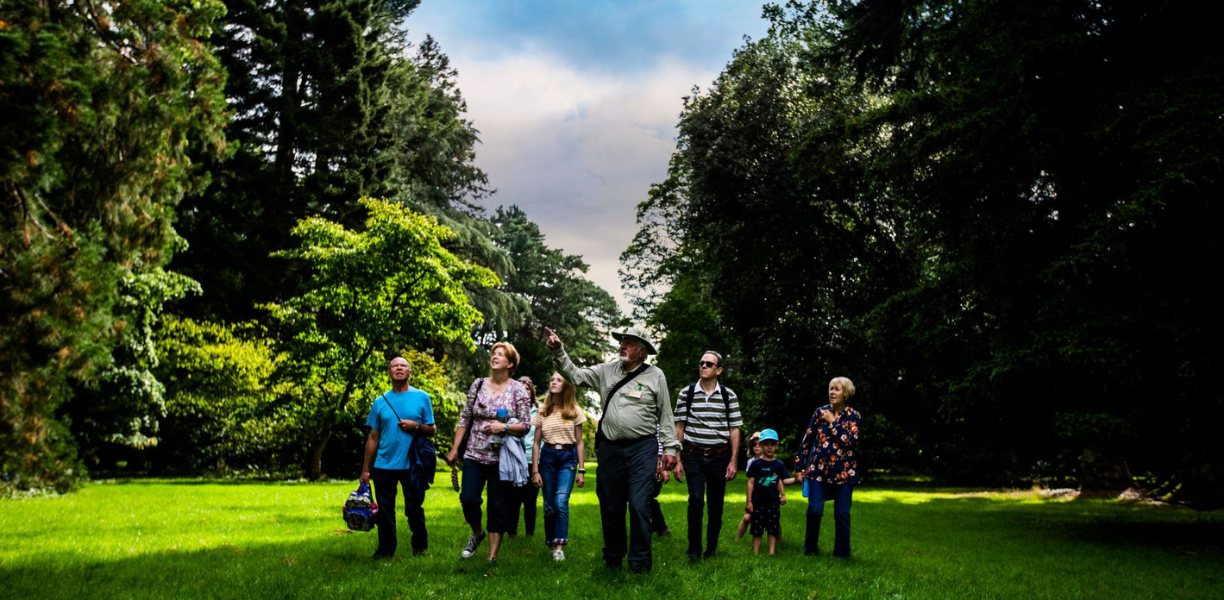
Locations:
column 370, row 293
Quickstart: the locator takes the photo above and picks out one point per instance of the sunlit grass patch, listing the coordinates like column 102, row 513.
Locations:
column 191, row 539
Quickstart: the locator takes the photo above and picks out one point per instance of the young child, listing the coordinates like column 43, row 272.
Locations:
column 754, row 452
column 766, row 493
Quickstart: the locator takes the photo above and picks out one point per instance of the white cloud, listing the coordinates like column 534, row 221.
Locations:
column 577, row 150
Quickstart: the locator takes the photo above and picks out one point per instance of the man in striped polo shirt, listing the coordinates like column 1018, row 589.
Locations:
column 707, row 424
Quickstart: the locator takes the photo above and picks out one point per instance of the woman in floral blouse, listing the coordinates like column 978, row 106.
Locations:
column 827, row 463
column 485, row 427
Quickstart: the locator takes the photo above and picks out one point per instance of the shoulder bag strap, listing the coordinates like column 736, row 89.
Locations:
column 471, row 400
column 612, row 392
column 388, row 401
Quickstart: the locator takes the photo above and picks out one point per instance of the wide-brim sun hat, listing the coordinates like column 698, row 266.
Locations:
column 638, row 333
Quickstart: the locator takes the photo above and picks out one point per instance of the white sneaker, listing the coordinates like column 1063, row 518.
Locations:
column 558, row 555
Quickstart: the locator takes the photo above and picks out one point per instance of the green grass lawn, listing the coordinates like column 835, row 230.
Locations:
column 192, row 539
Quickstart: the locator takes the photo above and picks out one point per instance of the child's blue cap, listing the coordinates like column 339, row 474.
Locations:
column 768, row 434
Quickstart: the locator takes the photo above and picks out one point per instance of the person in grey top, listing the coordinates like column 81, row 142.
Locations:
column 637, row 416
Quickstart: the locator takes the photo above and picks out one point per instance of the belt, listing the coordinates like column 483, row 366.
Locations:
column 628, row 442
column 560, row 446
column 706, row 450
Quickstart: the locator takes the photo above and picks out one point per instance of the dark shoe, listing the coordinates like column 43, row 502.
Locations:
column 709, row 554
column 666, row 532
column 639, row 570
column 614, row 565
column 381, row 556
column 473, row 543
column 694, row 557
column 492, row 562
column 420, row 552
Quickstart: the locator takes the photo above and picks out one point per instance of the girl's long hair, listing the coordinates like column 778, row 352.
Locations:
column 566, row 401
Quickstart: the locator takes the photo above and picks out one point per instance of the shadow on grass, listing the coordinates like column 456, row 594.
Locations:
column 1097, row 521
column 334, row 563
column 215, row 482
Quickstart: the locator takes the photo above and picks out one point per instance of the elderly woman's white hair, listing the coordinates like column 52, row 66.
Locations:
column 846, row 385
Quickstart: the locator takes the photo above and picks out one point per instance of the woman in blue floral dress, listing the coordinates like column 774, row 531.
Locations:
column 826, row 462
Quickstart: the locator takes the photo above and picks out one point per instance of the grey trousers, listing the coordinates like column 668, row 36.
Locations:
column 625, row 479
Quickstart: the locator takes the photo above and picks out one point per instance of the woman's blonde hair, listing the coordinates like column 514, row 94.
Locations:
column 567, row 401
column 509, row 351
column 847, row 387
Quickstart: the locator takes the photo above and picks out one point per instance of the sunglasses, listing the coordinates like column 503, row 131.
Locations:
column 706, row 363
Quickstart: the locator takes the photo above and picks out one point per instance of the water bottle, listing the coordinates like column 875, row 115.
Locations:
column 502, row 416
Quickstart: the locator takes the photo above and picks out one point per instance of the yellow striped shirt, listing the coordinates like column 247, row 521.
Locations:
column 556, row 429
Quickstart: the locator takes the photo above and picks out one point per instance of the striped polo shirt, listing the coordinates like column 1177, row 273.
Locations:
column 705, row 416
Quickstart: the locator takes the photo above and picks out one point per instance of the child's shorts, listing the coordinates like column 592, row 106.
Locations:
column 765, row 520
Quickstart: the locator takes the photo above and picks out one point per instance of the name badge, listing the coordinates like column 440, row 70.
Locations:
column 635, row 394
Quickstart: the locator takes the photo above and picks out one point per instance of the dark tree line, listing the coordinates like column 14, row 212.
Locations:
column 998, row 218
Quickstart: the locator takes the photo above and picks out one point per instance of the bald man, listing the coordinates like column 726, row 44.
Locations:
column 396, row 417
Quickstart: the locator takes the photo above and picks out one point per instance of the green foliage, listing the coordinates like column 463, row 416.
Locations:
column 369, row 294
column 103, row 105
column 121, row 408
column 330, row 103
column 222, row 406
column 760, row 264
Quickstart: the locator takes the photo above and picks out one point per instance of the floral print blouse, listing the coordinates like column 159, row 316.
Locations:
column 482, row 409
column 826, row 453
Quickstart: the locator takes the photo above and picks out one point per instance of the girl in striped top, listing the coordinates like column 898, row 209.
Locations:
column 558, row 458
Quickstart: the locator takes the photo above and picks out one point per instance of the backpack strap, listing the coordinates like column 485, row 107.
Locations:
column 726, row 405
column 687, row 396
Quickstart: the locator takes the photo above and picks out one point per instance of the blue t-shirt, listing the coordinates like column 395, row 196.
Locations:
column 393, row 442
column 767, row 473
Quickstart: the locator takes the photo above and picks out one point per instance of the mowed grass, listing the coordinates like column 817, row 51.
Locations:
column 198, row 539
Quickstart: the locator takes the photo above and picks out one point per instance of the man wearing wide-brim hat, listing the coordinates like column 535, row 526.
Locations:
column 637, row 417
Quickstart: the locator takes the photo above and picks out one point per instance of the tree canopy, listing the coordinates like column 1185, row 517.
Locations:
column 107, row 105
column 371, row 294
column 996, row 218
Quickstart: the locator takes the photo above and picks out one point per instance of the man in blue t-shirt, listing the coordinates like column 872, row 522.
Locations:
column 395, row 418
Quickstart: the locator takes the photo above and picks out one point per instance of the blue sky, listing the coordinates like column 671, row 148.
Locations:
column 577, row 102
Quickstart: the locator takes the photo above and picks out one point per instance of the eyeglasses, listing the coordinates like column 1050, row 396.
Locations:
column 706, row 363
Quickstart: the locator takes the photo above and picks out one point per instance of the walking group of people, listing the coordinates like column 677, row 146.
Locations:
column 639, row 442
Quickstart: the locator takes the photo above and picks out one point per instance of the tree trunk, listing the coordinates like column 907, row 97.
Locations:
column 1103, row 474
column 316, row 456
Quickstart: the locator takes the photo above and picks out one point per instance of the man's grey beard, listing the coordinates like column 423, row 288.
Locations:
column 622, row 358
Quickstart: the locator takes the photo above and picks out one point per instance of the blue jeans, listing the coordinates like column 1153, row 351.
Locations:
column 557, row 469
column 818, row 493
